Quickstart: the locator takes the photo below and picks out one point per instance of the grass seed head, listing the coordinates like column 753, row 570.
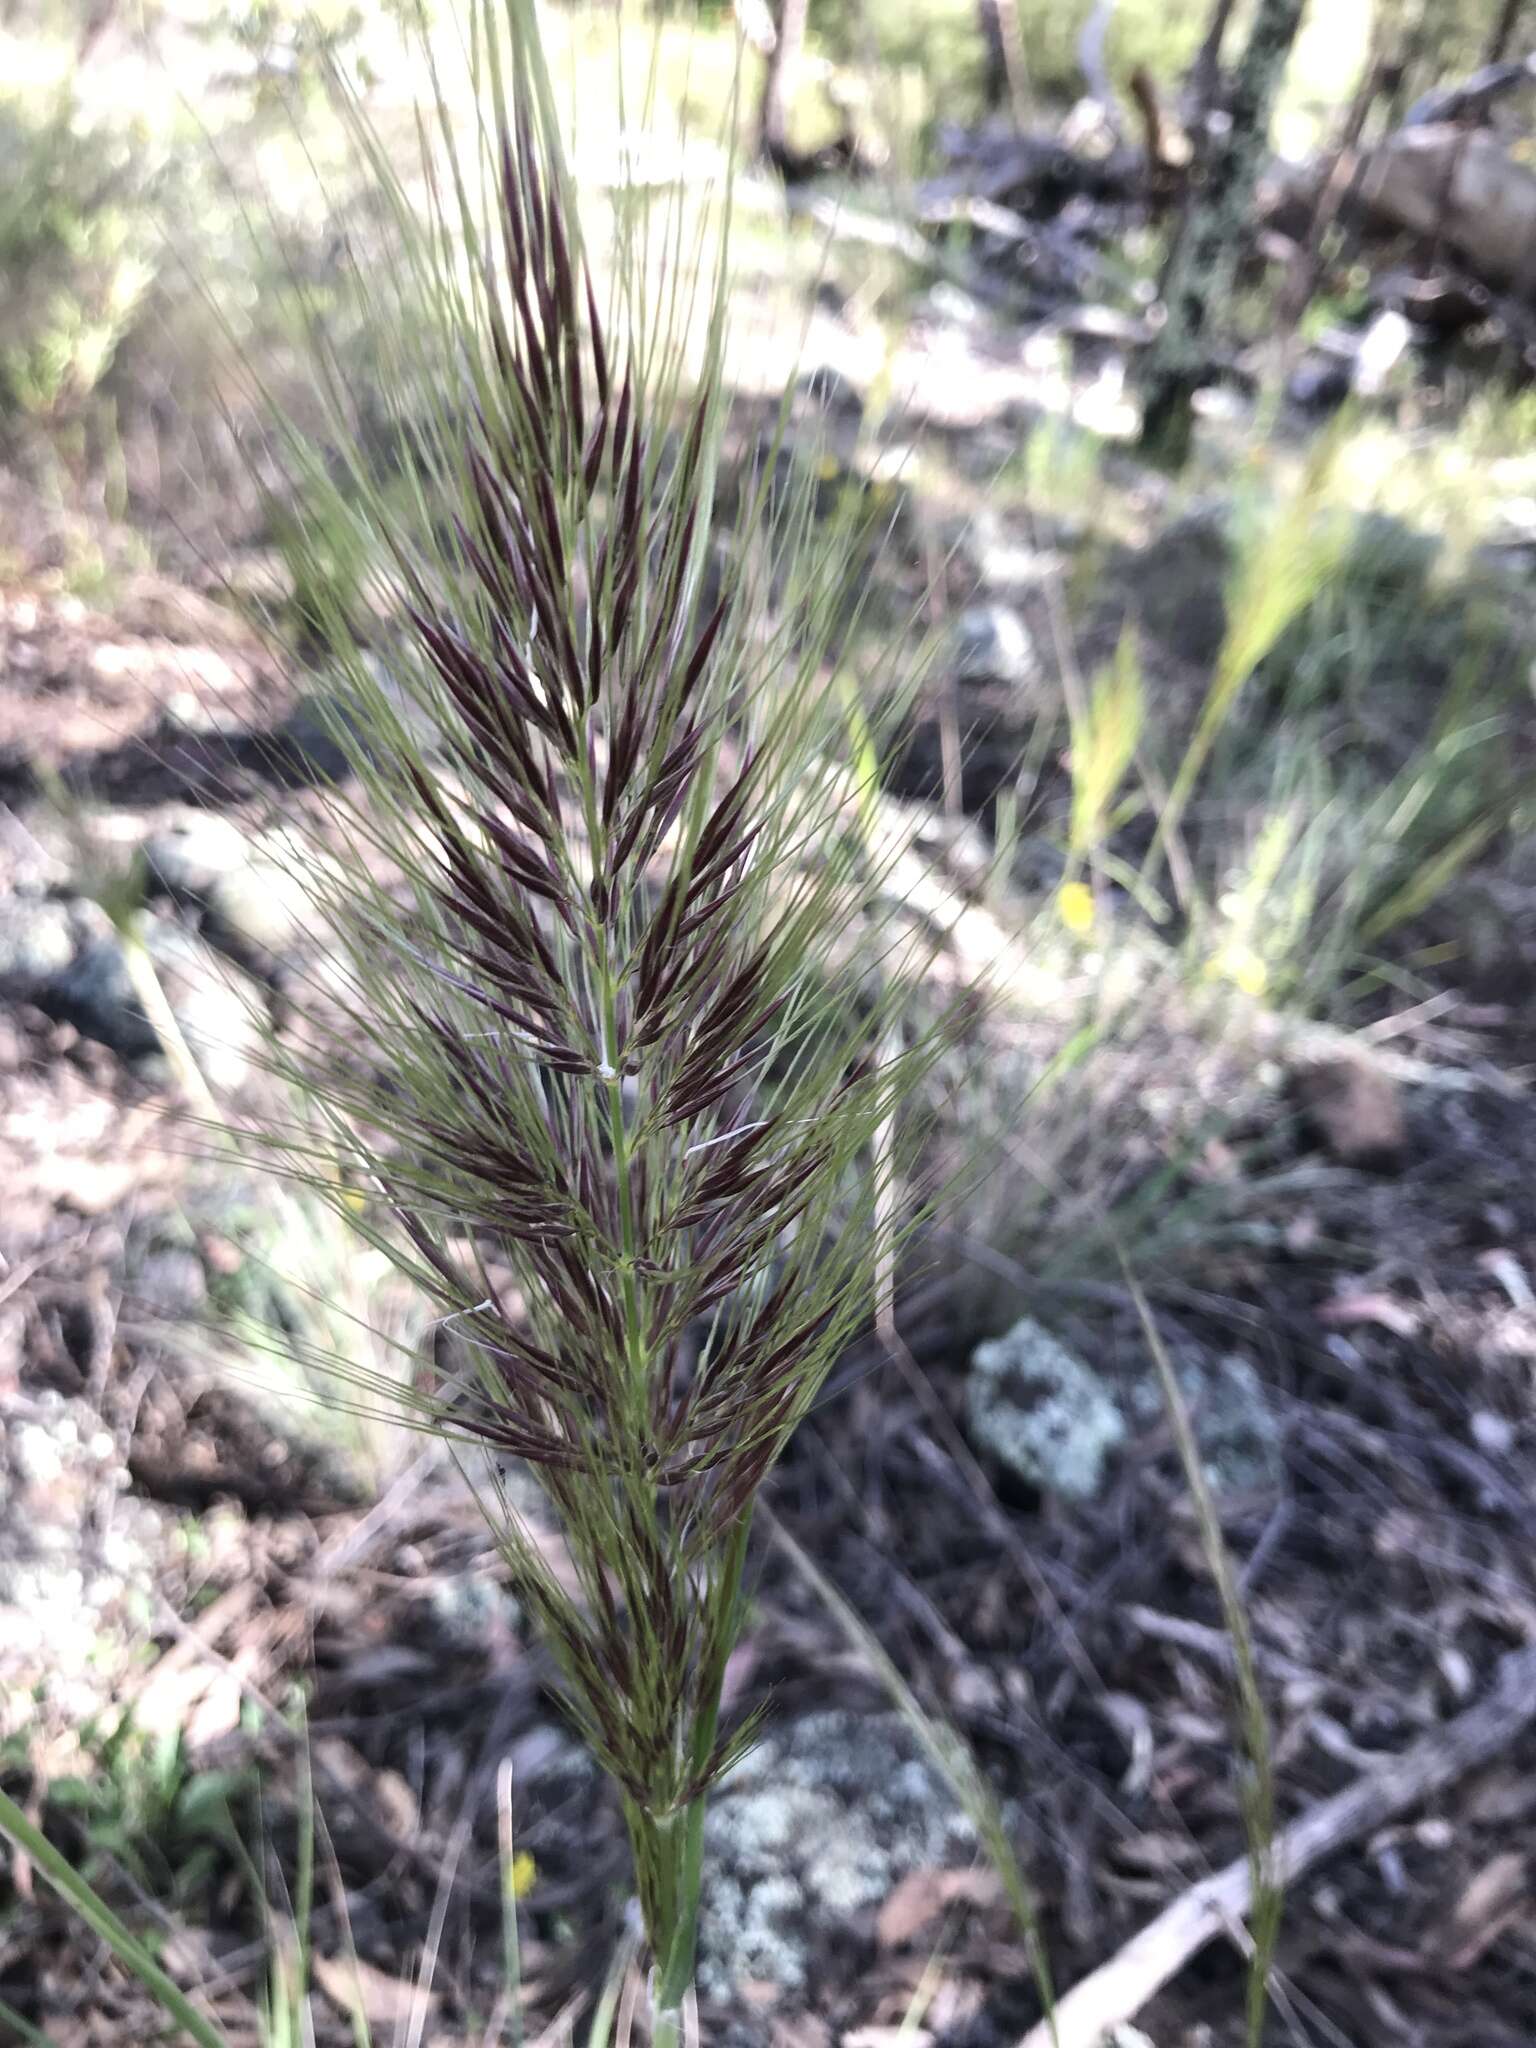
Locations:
column 593, row 896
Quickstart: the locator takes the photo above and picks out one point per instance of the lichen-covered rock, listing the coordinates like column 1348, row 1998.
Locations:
column 1049, row 1417
column 76, row 1562
column 1178, row 584
column 1040, row 1410
column 806, row 1838
column 1238, row 1432
column 1230, row 1414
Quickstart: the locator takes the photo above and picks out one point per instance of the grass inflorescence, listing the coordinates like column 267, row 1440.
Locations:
column 612, row 1033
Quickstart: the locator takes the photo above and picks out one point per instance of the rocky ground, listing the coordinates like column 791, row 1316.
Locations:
column 1340, row 1243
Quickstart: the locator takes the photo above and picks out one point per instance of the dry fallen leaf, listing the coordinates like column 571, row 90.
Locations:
column 1510, row 1274
column 1157, row 1852
column 923, row 1895
column 1346, row 1310
column 217, row 1713
column 1485, row 1908
column 1501, row 1797
column 397, row 1804
column 354, row 1987
column 1355, row 1110
column 799, row 2030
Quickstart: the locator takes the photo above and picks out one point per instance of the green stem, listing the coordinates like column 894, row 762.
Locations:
column 669, row 1848
column 675, row 1956
column 666, row 2026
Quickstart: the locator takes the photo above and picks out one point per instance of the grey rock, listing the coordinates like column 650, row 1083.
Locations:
column 217, row 1010
column 1238, row 1431
column 992, row 644
column 1320, row 382
column 194, row 852
column 832, row 392
column 37, row 942
column 95, row 994
column 192, row 714
column 1038, row 1409
column 807, row 1836
column 36, row 847
column 472, row 1611
column 170, row 1282
column 250, row 890
column 258, row 914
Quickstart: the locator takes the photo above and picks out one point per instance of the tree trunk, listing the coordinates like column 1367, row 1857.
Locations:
column 1503, row 34
column 1207, row 66
column 1334, row 193
column 998, row 21
column 1202, row 263
column 778, row 80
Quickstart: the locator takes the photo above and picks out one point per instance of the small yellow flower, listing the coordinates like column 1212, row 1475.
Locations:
column 829, row 468
column 1074, row 903
column 525, row 1874
column 1239, row 964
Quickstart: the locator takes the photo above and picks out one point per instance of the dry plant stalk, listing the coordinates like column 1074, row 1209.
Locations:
column 588, row 1016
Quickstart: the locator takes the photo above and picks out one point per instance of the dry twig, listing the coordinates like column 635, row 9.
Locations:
column 1115, row 1992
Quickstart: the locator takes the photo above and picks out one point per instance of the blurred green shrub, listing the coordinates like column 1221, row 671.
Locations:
column 79, row 249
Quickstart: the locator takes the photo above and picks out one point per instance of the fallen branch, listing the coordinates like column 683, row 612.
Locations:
column 1472, row 98
column 1117, row 1991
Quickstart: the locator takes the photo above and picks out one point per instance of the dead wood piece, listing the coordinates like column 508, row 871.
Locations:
column 1462, row 188
column 1036, row 175
column 1168, row 149
column 1181, row 1633
column 1445, row 302
column 1471, row 99
column 1113, row 1994
column 984, row 215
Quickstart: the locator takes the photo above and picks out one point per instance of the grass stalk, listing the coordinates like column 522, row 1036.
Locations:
column 1259, row 1803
